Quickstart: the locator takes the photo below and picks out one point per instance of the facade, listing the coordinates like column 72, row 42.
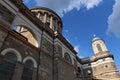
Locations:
column 32, row 47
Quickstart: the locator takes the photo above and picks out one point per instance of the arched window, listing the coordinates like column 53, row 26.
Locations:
column 27, row 33
column 28, row 70
column 75, row 63
column 99, row 47
column 7, row 66
column 67, row 57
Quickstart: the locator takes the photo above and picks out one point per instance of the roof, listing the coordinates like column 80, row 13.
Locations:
column 96, row 38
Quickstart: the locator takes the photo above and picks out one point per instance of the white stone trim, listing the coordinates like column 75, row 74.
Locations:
column 32, row 59
column 94, row 64
column 5, row 51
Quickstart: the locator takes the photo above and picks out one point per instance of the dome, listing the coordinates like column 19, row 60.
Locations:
column 49, row 17
column 96, row 38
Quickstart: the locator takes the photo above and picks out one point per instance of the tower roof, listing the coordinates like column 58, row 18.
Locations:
column 96, row 38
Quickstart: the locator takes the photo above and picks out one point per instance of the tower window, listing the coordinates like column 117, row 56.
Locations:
column 99, row 47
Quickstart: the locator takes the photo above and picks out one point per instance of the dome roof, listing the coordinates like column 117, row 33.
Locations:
column 96, row 38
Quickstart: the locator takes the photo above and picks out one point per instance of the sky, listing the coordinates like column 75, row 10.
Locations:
column 84, row 18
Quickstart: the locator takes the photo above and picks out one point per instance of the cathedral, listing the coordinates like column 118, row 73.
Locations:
column 32, row 47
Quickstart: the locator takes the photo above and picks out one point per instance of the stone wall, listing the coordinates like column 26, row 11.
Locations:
column 66, row 71
column 58, row 50
column 2, row 37
column 88, row 75
column 106, row 70
column 21, row 47
column 6, row 15
column 47, row 46
column 46, row 68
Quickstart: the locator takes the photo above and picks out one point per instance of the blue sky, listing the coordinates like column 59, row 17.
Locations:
column 84, row 18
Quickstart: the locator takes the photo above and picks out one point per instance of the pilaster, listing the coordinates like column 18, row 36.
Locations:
column 18, row 71
column 34, row 74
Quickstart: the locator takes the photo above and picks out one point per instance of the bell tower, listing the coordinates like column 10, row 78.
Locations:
column 98, row 45
column 103, row 62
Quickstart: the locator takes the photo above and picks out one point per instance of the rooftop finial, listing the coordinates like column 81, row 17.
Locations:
column 94, row 35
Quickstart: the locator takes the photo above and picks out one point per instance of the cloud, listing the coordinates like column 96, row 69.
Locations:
column 114, row 20
column 64, row 6
column 76, row 48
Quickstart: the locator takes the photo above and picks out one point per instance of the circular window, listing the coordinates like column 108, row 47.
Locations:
column 106, row 66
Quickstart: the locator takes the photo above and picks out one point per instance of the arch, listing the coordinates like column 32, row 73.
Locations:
column 11, row 57
column 67, row 57
column 28, row 70
column 29, row 63
column 99, row 47
column 21, row 21
column 6, row 51
column 28, row 33
column 32, row 59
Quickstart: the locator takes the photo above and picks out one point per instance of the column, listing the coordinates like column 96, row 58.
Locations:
column 51, row 22
column 45, row 18
column 18, row 71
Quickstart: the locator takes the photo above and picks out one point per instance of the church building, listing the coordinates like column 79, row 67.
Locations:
column 32, row 47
